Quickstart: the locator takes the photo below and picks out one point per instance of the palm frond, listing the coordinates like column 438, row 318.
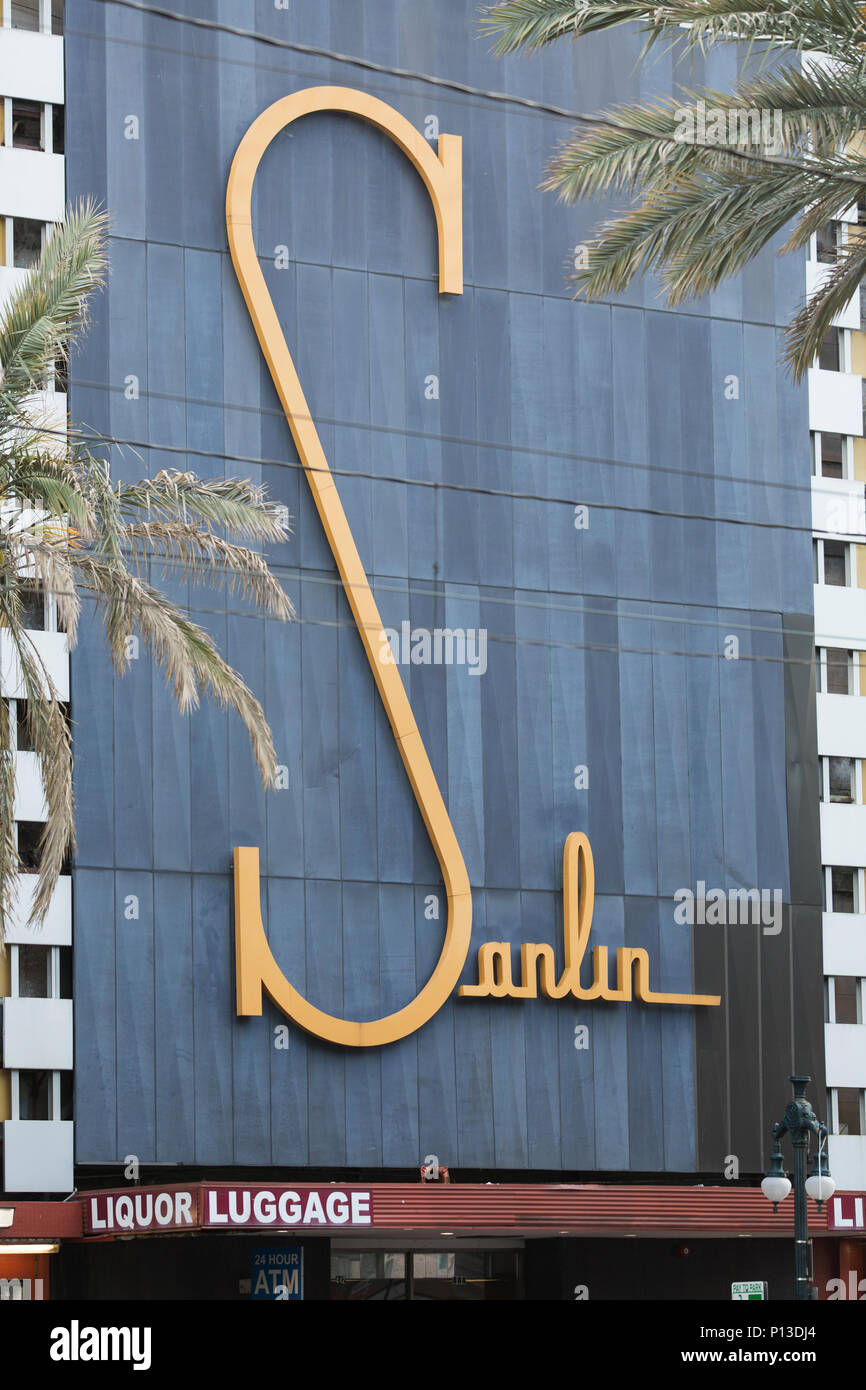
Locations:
column 50, row 737
column 182, row 650
column 49, row 308
column 830, row 26
column 208, row 558
column 239, row 505
column 805, row 331
column 65, row 524
column 8, row 850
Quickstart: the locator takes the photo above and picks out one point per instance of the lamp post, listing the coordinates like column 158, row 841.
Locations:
column 801, row 1123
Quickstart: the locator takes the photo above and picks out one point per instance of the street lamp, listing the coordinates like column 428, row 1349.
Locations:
column 801, row 1123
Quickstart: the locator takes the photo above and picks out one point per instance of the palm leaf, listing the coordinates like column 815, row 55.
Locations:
column 66, row 524
column 830, row 26
column 49, row 309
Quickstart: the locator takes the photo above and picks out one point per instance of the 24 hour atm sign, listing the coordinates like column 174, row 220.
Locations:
column 223, row 1208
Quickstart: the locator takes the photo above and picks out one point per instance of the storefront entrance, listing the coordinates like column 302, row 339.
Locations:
column 431, row 1275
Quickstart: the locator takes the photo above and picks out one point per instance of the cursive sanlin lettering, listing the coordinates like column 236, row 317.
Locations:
column 537, row 963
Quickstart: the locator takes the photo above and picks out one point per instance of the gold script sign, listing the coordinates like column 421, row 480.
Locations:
column 442, row 176
column 256, row 968
column 537, row 964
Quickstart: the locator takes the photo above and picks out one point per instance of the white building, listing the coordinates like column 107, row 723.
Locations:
column 836, row 420
column 36, row 971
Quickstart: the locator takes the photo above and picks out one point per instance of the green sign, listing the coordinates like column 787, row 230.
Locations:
column 751, row 1290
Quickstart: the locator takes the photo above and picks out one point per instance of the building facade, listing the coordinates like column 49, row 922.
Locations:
column 585, row 531
column 839, row 469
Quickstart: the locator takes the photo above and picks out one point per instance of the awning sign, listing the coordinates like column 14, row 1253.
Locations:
column 147, row 1209
column 152, row 1211
column 845, row 1212
column 312, row 1207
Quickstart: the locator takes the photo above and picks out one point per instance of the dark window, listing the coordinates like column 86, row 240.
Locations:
column 843, row 890
column 32, row 606
column 848, row 1100
column 58, row 130
column 34, row 972
column 838, row 671
column 26, row 242
column 66, row 1095
column 831, row 455
column 65, row 972
column 834, row 563
column 34, row 1095
column 847, row 989
column 828, row 352
column 29, row 848
column 61, row 375
column 25, row 14
column 57, row 7
column 24, row 743
column 27, row 125
column 841, row 779
column 430, row 1275
column 826, row 238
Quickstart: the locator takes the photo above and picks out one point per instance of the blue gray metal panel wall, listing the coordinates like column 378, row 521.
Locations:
column 604, row 644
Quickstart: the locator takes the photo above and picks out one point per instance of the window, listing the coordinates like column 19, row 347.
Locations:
column 34, row 972
column 26, row 242
column 829, row 356
column 835, row 567
column 34, row 1095
column 831, row 563
column 27, row 125
column 843, row 890
column 849, row 1110
column 400, row 1275
column 826, row 243
column 840, row 779
column 57, row 7
column 58, row 130
column 839, row 670
column 25, row 14
column 42, row 972
column 32, row 607
column 64, row 972
column 61, row 375
column 847, row 999
column 66, row 1095
column 24, row 743
column 29, row 848
column 829, row 455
